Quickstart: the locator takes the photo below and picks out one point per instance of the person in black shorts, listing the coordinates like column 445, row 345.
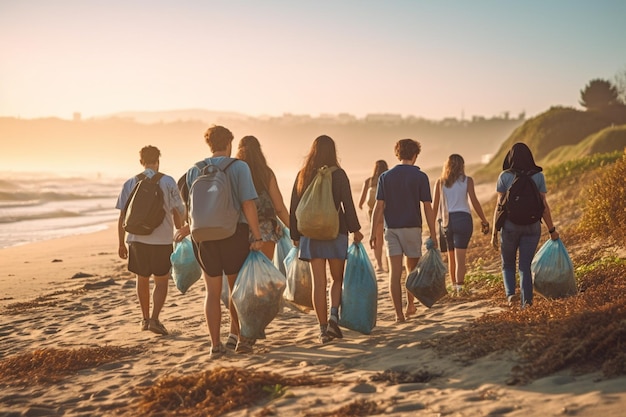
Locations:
column 149, row 255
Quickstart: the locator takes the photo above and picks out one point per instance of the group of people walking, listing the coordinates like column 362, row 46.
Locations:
column 395, row 198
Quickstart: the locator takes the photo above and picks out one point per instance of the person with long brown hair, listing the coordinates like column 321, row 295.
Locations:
column 368, row 193
column 270, row 204
column 451, row 193
column 322, row 252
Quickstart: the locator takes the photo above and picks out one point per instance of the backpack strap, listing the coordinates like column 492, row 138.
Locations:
column 157, row 177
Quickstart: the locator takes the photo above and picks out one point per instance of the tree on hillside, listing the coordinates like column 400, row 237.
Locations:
column 599, row 95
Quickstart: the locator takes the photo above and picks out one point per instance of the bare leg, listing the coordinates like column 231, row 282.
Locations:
column 378, row 249
column 452, row 266
column 318, row 267
column 268, row 249
column 395, row 288
column 212, row 307
column 159, row 294
column 336, row 273
column 234, row 318
column 411, row 263
column 461, row 268
column 143, row 295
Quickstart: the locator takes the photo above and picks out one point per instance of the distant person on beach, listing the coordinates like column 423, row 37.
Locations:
column 270, row 205
column 225, row 255
column 368, row 194
column 522, row 238
column 401, row 192
column 322, row 252
column 451, row 195
column 149, row 255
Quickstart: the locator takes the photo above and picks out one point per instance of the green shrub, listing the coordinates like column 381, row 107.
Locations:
column 574, row 168
column 604, row 215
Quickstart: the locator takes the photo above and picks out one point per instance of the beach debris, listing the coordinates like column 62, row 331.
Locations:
column 98, row 285
column 217, row 391
column 51, row 365
column 81, row 275
column 57, row 260
column 404, row 377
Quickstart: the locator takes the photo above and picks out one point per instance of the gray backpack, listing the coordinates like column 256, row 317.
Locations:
column 212, row 212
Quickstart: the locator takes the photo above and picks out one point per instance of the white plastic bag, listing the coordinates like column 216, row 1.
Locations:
column 257, row 294
column 553, row 271
column 299, row 280
column 283, row 246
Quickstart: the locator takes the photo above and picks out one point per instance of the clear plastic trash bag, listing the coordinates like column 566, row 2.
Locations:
column 299, row 288
column 427, row 282
column 283, row 246
column 257, row 294
column 553, row 271
column 185, row 268
column 359, row 297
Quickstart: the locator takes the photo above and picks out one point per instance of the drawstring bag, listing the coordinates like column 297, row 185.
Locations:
column 427, row 282
column 185, row 268
column 299, row 288
column 316, row 214
column 553, row 271
column 359, row 297
column 283, row 246
column 256, row 295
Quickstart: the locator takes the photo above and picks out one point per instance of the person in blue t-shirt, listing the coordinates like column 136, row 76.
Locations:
column 401, row 192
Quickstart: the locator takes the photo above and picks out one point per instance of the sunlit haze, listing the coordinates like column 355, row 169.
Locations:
column 431, row 59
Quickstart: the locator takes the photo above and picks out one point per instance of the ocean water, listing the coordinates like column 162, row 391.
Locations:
column 36, row 207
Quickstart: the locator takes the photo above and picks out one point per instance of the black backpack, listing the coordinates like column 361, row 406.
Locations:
column 144, row 210
column 522, row 203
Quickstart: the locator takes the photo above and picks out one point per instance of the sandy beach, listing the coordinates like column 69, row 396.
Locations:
column 77, row 294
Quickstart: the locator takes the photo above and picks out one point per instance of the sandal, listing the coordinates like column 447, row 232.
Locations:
column 333, row 329
column 217, row 351
column 324, row 338
column 245, row 345
column 231, row 343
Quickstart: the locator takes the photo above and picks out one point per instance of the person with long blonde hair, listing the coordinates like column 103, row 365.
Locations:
column 321, row 253
column 368, row 194
column 451, row 193
column 270, row 204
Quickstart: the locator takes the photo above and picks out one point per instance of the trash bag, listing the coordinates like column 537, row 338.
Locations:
column 185, row 268
column 257, row 294
column 299, row 288
column 427, row 282
column 359, row 298
column 553, row 271
column 225, row 295
column 283, row 246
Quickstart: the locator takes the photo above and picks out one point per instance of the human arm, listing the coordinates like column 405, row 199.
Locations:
column 352, row 219
column 366, row 186
column 277, row 200
column 494, row 232
column 250, row 213
column 430, row 220
column 437, row 195
column 471, row 191
column 122, row 250
column 547, row 219
column 293, row 223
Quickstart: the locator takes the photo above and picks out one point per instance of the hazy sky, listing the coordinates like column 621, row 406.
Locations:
column 434, row 59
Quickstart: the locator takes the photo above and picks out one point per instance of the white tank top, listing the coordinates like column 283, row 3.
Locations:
column 456, row 196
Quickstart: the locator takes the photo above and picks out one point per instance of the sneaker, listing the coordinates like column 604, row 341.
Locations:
column 155, row 326
column 217, row 351
column 333, row 329
column 231, row 343
column 145, row 324
column 324, row 338
column 244, row 346
column 513, row 299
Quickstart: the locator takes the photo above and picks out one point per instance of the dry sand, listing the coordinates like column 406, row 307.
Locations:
column 110, row 316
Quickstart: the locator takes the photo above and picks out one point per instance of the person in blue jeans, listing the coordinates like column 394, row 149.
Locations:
column 520, row 238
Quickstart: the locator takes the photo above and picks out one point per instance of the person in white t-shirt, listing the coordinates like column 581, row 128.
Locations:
column 149, row 255
column 451, row 196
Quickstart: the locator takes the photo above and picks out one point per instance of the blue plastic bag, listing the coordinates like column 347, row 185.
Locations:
column 185, row 268
column 299, row 288
column 283, row 246
column 359, row 298
column 553, row 271
column 427, row 282
column 257, row 294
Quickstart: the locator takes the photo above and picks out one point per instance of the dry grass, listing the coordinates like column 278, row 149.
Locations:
column 52, row 365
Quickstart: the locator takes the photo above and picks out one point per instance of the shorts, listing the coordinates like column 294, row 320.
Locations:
column 459, row 230
column 225, row 256
column 323, row 249
column 145, row 259
column 404, row 241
